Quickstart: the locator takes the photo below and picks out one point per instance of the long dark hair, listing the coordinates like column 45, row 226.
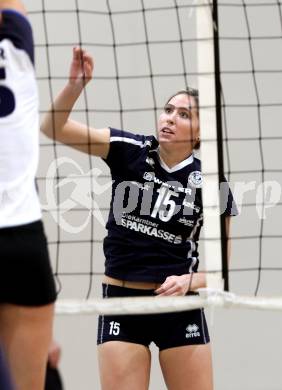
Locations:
column 191, row 92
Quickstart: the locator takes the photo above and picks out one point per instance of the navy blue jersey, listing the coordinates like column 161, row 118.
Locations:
column 156, row 213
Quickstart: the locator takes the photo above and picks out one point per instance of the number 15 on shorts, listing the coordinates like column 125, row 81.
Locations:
column 114, row 328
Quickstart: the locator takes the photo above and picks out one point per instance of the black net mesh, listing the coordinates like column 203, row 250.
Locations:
column 144, row 51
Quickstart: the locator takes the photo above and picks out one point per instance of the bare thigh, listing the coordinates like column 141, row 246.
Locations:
column 124, row 366
column 25, row 333
column 187, row 367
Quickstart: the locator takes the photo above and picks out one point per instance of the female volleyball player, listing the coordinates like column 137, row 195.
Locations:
column 27, row 290
column 151, row 246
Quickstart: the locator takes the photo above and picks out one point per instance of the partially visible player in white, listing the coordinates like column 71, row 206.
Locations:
column 27, row 289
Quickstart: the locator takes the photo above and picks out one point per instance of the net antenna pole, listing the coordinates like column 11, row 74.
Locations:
column 211, row 144
column 224, row 240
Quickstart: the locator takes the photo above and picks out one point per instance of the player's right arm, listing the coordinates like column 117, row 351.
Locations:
column 57, row 124
column 16, row 5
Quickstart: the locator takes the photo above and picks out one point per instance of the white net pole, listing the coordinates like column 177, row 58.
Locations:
column 209, row 154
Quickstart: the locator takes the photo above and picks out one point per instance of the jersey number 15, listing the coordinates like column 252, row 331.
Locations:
column 7, row 98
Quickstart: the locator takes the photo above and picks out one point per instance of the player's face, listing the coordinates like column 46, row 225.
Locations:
column 179, row 122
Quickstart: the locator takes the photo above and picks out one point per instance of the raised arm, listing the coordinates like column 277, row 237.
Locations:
column 56, row 123
column 16, row 5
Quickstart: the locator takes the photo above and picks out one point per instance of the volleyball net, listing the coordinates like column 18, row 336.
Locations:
column 144, row 52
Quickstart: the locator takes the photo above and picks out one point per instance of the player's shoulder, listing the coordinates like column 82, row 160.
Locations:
column 131, row 138
column 16, row 28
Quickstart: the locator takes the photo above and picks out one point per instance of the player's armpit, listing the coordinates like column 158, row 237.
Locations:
column 77, row 135
column 89, row 140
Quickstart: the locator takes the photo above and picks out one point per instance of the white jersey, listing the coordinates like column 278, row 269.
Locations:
column 19, row 123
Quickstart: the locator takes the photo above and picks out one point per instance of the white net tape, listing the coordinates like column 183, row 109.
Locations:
column 149, row 305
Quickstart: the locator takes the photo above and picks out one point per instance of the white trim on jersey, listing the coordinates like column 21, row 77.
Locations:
column 130, row 141
column 177, row 167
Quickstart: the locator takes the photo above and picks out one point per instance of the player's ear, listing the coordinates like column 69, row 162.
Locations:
column 16, row 5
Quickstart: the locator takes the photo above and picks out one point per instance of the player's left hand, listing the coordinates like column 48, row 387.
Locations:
column 81, row 69
column 175, row 285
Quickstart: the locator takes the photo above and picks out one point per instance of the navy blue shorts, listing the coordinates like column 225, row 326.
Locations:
column 166, row 330
column 26, row 277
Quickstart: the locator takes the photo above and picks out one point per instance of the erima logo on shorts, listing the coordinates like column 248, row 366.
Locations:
column 192, row 331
